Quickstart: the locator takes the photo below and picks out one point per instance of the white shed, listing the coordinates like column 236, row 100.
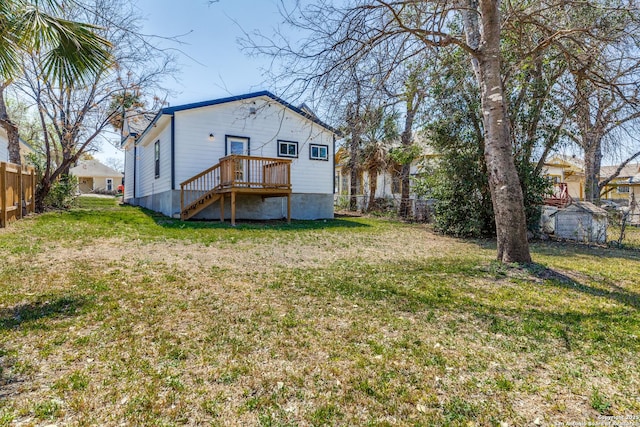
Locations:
column 253, row 156
column 581, row 221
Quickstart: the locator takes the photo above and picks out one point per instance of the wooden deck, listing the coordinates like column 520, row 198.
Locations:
column 235, row 174
column 560, row 197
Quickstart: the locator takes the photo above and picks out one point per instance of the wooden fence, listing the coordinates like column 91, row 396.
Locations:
column 17, row 192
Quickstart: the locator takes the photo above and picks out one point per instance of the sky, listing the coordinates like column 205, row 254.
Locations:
column 210, row 59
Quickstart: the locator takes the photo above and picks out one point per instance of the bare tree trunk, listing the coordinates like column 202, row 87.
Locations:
column 405, row 187
column 353, row 170
column 592, row 162
column 13, row 136
column 406, row 140
column 506, row 192
column 373, row 187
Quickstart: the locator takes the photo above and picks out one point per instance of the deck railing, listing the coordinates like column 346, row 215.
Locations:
column 559, row 195
column 255, row 172
column 236, row 173
column 17, row 192
column 197, row 186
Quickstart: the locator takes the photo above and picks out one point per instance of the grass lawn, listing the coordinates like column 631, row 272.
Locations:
column 111, row 315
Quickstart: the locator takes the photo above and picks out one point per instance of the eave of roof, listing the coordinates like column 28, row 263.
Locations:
column 172, row 110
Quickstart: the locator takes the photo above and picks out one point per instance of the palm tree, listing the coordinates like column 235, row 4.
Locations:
column 72, row 50
column 374, row 159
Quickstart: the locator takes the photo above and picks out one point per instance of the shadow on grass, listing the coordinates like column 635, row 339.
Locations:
column 615, row 292
column 24, row 314
column 295, row 225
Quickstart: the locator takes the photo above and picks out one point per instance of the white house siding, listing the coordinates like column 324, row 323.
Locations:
column 271, row 122
column 148, row 184
column 4, row 143
column 264, row 121
column 4, row 153
column 128, row 173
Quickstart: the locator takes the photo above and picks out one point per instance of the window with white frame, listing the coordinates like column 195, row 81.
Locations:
column 623, row 189
column 287, row 149
column 318, row 152
column 109, row 184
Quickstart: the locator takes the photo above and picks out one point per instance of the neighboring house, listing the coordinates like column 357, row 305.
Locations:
column 388, row 181
column 253, row 156
column 25, row 148
column 620, row 188
column 94, row 176
column 569, row 170
column 624, row 190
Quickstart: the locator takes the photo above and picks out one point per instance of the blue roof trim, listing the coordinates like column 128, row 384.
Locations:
column 171, row 110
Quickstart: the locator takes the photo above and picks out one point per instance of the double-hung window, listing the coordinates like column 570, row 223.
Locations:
column 287, row 149
column 318, row 152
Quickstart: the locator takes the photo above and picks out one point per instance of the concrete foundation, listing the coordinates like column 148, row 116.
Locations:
column 250, row 207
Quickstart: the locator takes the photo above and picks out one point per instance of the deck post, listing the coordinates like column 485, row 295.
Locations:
column 182, row 215
column 289, row 208
column 233, row 208
column 221, row 207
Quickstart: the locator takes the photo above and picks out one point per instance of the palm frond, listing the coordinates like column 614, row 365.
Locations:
column 71, row 50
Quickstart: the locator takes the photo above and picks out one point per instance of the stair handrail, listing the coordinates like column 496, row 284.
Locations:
column 193, row 188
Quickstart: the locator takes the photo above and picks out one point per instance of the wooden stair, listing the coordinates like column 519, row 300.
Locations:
column 206, row 200
column 233, row 175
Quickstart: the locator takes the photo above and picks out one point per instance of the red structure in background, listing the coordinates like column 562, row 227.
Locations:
column 560, row 197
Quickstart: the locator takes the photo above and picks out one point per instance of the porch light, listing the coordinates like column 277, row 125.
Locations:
column 212, row 137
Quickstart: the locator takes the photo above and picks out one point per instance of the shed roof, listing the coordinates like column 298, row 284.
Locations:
column 578, row 206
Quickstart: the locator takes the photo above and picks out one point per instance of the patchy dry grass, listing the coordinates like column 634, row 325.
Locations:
column 112, row 315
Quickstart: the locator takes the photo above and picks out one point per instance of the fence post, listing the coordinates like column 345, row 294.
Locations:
column 20, row 195
column 33, row 189
column 3, row 194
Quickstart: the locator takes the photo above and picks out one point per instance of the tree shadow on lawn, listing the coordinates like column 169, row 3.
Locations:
column 566, row 249
column 29, row 313
column 274, row 224
column 614, row 292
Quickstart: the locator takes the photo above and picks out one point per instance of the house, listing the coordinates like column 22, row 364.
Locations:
column 620, row 188
column 25, row 149
column 567, row 170
column 388, row 185
column 253, row 156
column 94, row 176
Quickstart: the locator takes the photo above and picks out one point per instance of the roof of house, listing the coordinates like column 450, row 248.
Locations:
column 571, row 160
column 93, row 168
column 626, row 172
column 171, row 110
column 138, row 122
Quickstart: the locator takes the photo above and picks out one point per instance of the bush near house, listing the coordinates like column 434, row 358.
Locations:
column 111, row 314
